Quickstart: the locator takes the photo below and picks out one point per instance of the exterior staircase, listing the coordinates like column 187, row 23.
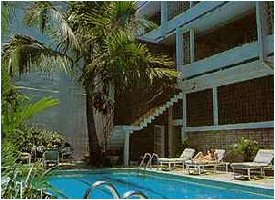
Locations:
column 148, row 117
column 116, row 141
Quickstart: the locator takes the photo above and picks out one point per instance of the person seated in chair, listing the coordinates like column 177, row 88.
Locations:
column 67, row 151
column 210, row 156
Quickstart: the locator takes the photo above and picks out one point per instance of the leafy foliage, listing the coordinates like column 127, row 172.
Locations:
column 17, row 109
column 21, row 181
column 102, row 33
column 7, row 13
column 17, row 180
column 24, row 52
column 245, row 147
column 102, row 36
column 34, row 136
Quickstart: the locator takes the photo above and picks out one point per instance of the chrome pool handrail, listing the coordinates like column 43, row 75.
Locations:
column 113, row 190
column 143, row 160
column 129, row 194
column 150, row 161
column 97, row 184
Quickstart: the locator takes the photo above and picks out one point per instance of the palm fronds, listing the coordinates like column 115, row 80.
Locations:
column 124, row 61
column 47, row 17
column 24, row 52
column 13, row 119
column 7, row 13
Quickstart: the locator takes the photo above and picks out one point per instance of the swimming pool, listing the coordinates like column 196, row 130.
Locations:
column 74, row 183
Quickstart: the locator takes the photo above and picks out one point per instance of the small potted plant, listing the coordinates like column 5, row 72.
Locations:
column 246, row 148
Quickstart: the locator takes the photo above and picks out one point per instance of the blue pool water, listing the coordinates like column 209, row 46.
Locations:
column 73, row 184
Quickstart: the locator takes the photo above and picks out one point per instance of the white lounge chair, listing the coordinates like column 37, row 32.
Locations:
column 262, row 160
column 187, row 154
column 198, row 167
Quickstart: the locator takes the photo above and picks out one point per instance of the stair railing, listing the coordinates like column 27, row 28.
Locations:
column 154, row 155
column 143, row 160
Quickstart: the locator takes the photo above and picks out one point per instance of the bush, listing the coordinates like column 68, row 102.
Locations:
column 245, row 147
column 13, row 174
column 35, row 136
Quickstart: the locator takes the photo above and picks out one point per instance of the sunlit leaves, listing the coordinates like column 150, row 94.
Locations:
column 13, row 119
column 50, row 18
column 24, row 52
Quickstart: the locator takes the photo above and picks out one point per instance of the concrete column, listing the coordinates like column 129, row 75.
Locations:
column 170, row 131
column 184, row 117
column 192, row 45
column 164, row 17
column 164, row 12
column 179, row 49
column 126, row 149
column 262, row 28
column 215, row 106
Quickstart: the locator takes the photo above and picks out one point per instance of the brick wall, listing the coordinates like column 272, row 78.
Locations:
column 199, row 107
column 242, row 102
column 248, row 101
column 201, row 141
column 269, row 9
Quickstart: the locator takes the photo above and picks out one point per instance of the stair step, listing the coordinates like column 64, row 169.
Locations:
column 151, row 117
column 142, row 124
column 174, row 99
column 117, row 139
column 147, row 121
column 162, row 109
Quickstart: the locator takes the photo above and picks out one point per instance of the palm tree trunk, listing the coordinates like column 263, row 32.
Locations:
column 97, row 155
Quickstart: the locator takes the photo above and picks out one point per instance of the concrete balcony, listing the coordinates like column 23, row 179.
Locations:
column 234, row 56
column 202, row 16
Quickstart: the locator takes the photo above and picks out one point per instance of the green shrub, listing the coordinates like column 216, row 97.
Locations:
column 247, row 148
column 17, row 180
column 35, row 136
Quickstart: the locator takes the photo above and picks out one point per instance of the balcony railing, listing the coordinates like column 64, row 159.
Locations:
column 233, row 56
column 269, row 9
column 203, row 15
column 176, row 7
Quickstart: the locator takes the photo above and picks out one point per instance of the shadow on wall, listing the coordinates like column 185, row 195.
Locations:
column 69, row 117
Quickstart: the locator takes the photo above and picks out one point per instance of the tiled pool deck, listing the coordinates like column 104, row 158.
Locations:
column 267, row 182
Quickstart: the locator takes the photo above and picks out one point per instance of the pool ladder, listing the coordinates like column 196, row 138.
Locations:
column 149, row 162
column 113, row 190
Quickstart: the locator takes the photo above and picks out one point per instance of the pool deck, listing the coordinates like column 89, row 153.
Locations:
column 267, row 182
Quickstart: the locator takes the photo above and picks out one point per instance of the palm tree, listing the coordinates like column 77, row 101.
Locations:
column 101, row 35
column 16, row 108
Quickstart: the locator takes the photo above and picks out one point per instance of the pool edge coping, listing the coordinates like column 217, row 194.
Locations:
column 179, row 175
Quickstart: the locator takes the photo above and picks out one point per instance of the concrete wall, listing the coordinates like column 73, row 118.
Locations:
column 69, row 117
